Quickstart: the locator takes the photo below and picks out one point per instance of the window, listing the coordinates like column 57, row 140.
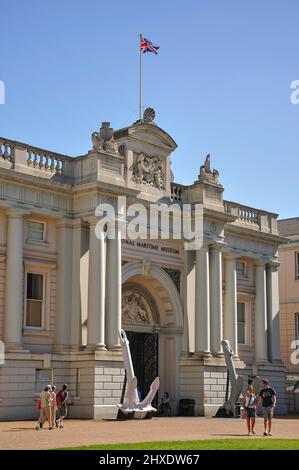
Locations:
column 297, row 265
column 241, row 323
column 43, row 377
column 34, row 300
column 241, row 269
column 36, row 231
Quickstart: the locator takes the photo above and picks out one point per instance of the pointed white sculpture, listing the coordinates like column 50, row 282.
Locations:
column 236, row 381
column 132, row 402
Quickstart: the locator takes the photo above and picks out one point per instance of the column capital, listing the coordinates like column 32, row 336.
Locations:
column 260, row 262
column 91, row 220
column 16, row 213
column 204, row 247
column 230, row 256
column 216, row 246
column 274, row 265
column 63, row 222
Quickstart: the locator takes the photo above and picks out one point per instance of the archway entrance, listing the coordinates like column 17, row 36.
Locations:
column 144, row 351
column 153, row 320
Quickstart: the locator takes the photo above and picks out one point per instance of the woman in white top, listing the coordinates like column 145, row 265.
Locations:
column 249, row 404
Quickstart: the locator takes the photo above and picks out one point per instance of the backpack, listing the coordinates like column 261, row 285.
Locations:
column 60, row 397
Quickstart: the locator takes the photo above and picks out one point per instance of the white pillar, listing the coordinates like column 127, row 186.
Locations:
column 113, row 299
column 96, row 289
column 273, row 311
column 216, row 299
column 189, row 302
column 260, row 318
column 14, row 300
column 76, row 323
column 202, row 301
column 63, row 319
column 230, row 330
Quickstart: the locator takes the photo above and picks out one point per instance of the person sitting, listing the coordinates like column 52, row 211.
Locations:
column 164, row 405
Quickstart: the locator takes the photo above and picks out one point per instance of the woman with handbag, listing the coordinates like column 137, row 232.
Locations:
column 249, row 404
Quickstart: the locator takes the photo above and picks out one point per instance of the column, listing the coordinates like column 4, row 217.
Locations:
column 230, row 330
column 216, row 299
column 14, row 300
column 63, row 319
column 273, row 311
column 96, row 288
column 260, row 318
column 189, row 302
column 113, row 300
column 202, row 301
column 76, row 323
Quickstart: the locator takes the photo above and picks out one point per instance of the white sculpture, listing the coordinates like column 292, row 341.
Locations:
column 132, row 402
column 236, row 382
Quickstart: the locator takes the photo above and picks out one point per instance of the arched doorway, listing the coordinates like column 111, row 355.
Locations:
column 153, row 318
column 140, row 321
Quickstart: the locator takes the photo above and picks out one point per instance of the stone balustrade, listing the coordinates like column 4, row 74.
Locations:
column 25, row 157
column 43, row 160
column 176, row 192
column 6, row 150
column 257, row 219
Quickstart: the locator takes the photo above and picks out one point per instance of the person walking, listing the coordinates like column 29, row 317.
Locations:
column 53, row 406
column 249, row 404
column 45, row 410
column 61, row 400
column 267, row 399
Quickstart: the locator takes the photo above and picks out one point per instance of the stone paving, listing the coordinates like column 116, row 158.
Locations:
column 22, row 435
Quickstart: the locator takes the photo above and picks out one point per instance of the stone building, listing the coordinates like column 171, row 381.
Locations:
column 289, row 307
column 65, row 292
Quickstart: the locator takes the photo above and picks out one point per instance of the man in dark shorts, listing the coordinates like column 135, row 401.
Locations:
column 267, row 398
column 61, row 399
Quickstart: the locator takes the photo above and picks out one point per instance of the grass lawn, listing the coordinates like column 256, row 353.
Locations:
column 265, row 443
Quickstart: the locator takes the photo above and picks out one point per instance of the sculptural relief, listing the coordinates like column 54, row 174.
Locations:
column 205, row 172
column 103, row 141
column 134, row 309
column 149, row 171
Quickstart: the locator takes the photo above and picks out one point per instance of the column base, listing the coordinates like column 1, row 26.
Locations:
column 261, row 361
column 114, row 348
column 15, row 348
column 202, row 353
column 218, row 354
column 96, row 347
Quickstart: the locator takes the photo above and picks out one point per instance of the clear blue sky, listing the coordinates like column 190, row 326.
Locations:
column 220, row 83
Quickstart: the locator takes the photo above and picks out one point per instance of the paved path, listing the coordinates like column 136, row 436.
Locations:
column 22, row 435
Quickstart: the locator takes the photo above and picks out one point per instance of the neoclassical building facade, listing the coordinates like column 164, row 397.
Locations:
column 289, row 307
column 65, row 291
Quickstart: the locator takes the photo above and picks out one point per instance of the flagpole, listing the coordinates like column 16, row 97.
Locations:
column 140, row 80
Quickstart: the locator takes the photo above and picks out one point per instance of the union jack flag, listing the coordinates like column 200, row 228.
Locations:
column 147, row 46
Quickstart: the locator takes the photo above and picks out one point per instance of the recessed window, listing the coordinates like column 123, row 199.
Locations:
column 34, row 300
column 241, row 323
column 297, row 265
column 241, row 269
column 36, row 231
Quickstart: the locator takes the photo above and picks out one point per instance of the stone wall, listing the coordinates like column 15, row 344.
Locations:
column 94, row 386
